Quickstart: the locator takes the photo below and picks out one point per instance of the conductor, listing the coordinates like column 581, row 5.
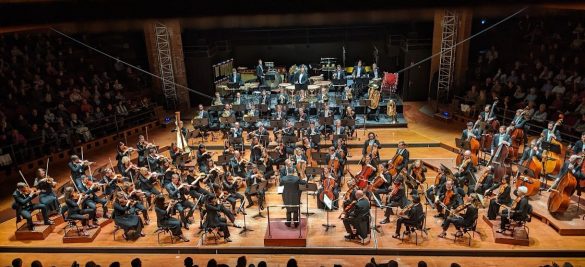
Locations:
column 291, row 195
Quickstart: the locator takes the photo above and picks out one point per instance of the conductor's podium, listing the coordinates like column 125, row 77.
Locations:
column 279, row 235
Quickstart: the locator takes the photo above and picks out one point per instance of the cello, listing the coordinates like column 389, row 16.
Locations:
column 396, row 160
column 361, row 179
column 328, row 185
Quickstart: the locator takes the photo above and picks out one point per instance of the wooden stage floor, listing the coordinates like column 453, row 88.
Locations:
column 544, row 241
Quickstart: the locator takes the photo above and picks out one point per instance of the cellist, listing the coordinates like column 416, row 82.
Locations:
column 333, row 157
column 385, row 175
column 369, row 144
column 465, row 171
column 402, row 152
column 327, row 180
column 502, row 198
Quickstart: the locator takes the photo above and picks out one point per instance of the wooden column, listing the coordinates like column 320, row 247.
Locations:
column 176, row 43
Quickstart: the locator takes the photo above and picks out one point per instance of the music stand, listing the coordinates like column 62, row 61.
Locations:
column 255, row 189
column 337, row 136
column 224, row 159
column 328, row 207
column 550, row 147
column 378, row 204
column 326, row 120
column 239, row 108
column 313, row 171
column 302, row 104
column 227, row 120
column 309, row 187
column 315, row 138
column 202, row 123
column 301, row 125
column 289, row 139
column 347, row 122
column 242, row 209
column 237, row 141
column 251, row 120
column 276, row 123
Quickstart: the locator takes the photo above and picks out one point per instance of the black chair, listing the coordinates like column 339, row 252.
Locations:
column 467, row 229
column 207, row 229
column 522, row 223
column 70, row 223
column 419, row 227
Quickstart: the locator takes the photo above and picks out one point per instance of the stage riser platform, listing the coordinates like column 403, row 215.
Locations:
column 518, row 237
column 570, row 223
column 73, row 236
column 282, row 236
column 40, row 232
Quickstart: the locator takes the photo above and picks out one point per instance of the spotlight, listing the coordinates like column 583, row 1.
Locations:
column 483, row 21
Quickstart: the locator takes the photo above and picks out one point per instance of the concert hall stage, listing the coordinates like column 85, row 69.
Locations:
column 428, row 140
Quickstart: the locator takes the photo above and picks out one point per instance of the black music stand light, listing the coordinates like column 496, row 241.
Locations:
column 309, row 187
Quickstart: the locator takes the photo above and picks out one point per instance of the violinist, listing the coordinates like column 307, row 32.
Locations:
column 349, row 114
column 125, row 217
column 268, row 164
column 579, row 147
column 231, row 186
column 122, row 151
column 530, row 152
column 129, row 169
column 517, row 211
column 291, row 195
column 213, row 219
column 465, row 171
column 417, row 171
column 396, row 198
column 486, row 181
column 202, row 156
column 410, row 216
column 196, row 191
column 174, row 152
column 327, row 180
column 469, row 133
column 169, row 170
column 254, row 177
column 502, row 198
column 402, row 151
column 178, row 192
column 23, row 196
column 77, row 167
column 255, row 150
column 130, row 193
column 147, row 181
column 90, row 189
column 142, row 147
column 369, row 144
column 357, row 216
column 337, row 130
column 282, row 154
column 164, row 217
column 501, row 138
column 549, row 135
column 73, row 202
column 237, row 165
column 110, row 181
column 448, row 198
column 471, row 205
column 154, row 161
column 439, row 185
column 47, row 196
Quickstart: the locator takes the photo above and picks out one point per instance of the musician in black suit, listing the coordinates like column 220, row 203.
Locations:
column 396, row 198
column 501, row 138
column 529, row 152
column 465, row 171
column 518, row 210
column 486, row 116
column 385, row 188
column 549, row 135
column 370, row 143
column 471, row 205
column 519, row 122
column 213, row 218
column 302, row 77
column 179, row 192
column 503, row 197
column 359, row 71
column 358, row 217
column 579, row 147
column 265, row 98
column 24, row 206
column 254, row 177
column 235, row 78
column 375, row 73
column 237, row 165
column 448, row 196
column 291, row 195
column 412, row 216
column 339, row 73
column 402, row 151
column 141, row 147
column 337, row 130
column 468, row 133
column 260, row 72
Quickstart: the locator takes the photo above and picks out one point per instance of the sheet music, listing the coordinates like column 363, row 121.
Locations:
column 281, row 189
column 327, row 201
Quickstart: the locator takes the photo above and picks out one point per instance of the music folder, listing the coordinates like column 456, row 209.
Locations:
column 309, row 187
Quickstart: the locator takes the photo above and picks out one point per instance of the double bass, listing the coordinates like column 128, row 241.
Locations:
column 517, row 137
column 552, row 162
column 559, row 198
column 488, row 132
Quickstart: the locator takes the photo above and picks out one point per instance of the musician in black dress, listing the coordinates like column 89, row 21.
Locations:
column 202, row 156
column 47, row 195
column 502, row 198
column 90, row 189
column 471, row 205
column 396, row 198
column 179, row 192
column 73, row 203
column 142, row 147
column 110, row 182
column 357, row 216
column 164, row 217
column 122, row 151
column 411, row 216
column 125, row 217
column 77, row 168
column 213, row 219
column 24, row 207
column 146, row 182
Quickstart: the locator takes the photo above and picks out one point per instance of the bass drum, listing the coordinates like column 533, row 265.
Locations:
column 272, row 79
